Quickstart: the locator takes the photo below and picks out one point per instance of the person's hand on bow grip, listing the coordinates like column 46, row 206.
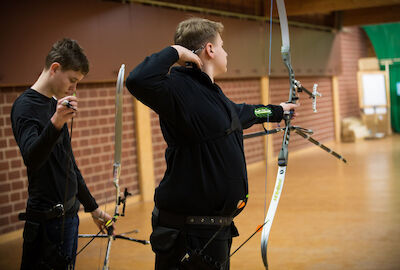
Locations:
column 187, row 56
column 103, row 220
column 290, row 107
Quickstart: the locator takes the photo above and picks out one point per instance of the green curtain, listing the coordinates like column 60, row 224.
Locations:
column 386, row 41
column 394, row 75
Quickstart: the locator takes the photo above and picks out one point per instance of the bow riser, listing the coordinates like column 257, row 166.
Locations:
column 293, row 93
column 116, row 173
column 284, row 153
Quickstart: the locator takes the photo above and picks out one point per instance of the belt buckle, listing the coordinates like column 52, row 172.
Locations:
column 58, row 209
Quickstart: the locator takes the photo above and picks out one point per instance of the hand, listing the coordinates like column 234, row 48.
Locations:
column 100, row 218
column 64, row 113
column 186, row 55
column 290, row 107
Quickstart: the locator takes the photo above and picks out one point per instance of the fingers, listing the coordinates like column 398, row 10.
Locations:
column 194, row 58
column 289, row 106
column 107, row 226
column 186, row 55
column 66, row 109
column 199, row 63
column 103, row 221
column 71, row 102
column 111, row 224
column 190, row 58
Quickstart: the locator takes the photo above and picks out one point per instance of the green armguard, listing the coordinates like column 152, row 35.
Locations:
column 262, row 112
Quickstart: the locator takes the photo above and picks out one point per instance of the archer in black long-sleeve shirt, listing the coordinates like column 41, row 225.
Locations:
column 206, row 179
column 47, row 155
column 54, row 180
column 206, row 169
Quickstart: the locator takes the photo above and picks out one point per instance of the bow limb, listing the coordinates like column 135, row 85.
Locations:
column 117, row 159
column 285, row 49
column 283, row 154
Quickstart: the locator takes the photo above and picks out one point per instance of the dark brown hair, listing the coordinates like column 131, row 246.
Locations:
column 69, row 55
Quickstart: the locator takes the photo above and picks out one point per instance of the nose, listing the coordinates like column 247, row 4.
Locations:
column 73, row 87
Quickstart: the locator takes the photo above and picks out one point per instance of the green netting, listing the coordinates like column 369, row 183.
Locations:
column 386, row 41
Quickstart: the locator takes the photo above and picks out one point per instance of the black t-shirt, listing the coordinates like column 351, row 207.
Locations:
column 47, row 155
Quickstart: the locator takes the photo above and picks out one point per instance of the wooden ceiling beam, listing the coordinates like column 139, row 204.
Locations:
column 374, row 15
column 325, row 13
column 296, row 7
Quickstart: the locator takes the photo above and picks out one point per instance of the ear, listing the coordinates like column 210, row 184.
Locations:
column 54, row 67
column 209, row 50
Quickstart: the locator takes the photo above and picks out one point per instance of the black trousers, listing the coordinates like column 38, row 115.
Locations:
column 172, row 244
column 42, row 249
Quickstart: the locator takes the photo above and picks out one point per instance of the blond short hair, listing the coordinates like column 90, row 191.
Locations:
column 195, row 32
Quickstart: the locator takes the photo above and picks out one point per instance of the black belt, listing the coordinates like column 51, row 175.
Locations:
column 56, row 211
column 209, row 220
column 171, row 219
column 35, row 215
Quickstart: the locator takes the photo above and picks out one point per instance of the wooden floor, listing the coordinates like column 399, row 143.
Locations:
column 331, row 216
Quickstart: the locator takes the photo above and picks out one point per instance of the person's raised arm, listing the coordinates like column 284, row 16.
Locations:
column 149, row 81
